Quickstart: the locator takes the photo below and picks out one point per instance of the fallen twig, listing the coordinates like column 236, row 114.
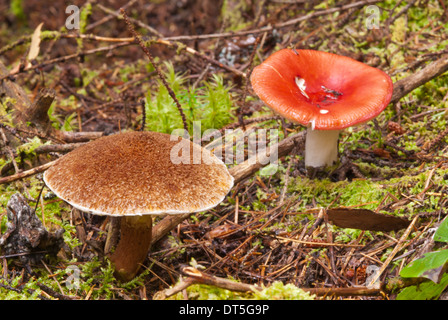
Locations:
column 156, row 67
column 399, row 246
column 65, row 58
column 204, row 278
column 344, row 292
column 404, row 86
column 72, row 137
column 320, row 244
column 26, row 173
column 137, row 22
column 194, row 276
column 46, row 148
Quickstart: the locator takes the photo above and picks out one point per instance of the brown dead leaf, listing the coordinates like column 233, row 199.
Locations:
column 219, row 231
column 380, row 152
column 35, row 44
column 365, row 220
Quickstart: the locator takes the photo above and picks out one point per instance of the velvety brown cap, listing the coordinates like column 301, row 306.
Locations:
column 133, row 174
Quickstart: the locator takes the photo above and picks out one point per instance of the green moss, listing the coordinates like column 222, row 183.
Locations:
column 69, row 123
column 211, row 105
column 399, row 30
column 232, row 13
column 16, row 8
column 275, row 291
column 29, row 147
column 368, row 194
column 6, row 105
column 320, row 191
column 206, row 292
column 280, row 291
column 84, row 16
column 30, row 291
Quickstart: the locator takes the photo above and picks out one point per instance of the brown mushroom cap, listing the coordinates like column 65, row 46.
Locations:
column 132, row 174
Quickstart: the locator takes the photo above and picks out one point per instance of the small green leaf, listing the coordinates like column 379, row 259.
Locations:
column 442, row 232
column 269, row 170
column 431, row 266
column 424, row 291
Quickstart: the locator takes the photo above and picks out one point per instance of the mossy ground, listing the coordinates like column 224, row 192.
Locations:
column 391, row 173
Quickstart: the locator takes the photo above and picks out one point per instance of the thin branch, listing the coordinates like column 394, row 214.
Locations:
column 194, row 276
column 274, row 26
column 246, row 86
column 65, row 58
column 432, row 70
column 108, row 17
column 396, row 249
column 137, row 22
column 137, row 37
column 180, row 46
column 344, row 292
column 26, row 173
column 205, row 278
column 67, row 147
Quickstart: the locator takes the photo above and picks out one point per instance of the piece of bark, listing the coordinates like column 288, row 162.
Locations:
column 12, row 90
column 26, row 236
column 37, row 114
column 77, row 220
column 24, row 112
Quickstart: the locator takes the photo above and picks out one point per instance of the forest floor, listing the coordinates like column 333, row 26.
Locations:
column 275, row 226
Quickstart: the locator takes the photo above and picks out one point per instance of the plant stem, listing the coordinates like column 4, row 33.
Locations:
column 138, row 39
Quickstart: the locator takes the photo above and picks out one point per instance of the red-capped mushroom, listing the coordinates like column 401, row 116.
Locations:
column 323, row 91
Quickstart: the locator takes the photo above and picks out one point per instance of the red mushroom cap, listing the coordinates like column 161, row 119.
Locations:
column 326, row 90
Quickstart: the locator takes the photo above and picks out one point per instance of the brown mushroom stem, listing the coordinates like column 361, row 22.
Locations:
column 321, row 148
column 133, row 247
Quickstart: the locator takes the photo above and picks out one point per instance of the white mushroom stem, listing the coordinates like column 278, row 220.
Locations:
column 133, row 247
column 321, row 148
